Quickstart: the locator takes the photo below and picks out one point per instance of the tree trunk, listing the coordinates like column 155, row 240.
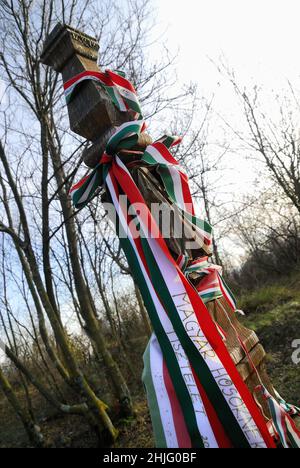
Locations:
column 87, row 309
column 33, row 432
column 143, row 311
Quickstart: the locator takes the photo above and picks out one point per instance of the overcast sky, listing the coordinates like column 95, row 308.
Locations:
column 260, row 38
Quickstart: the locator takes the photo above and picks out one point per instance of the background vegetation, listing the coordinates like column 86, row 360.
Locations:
column 73, row 326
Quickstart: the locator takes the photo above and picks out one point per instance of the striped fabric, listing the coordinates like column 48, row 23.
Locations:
column 167, row 293
column 120, row 90
column 209, row 414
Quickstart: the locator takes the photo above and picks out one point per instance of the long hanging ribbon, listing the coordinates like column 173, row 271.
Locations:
column 164, row 406
column 195, row 419
column 120, row 90
column 172, row 349
column 125, row 137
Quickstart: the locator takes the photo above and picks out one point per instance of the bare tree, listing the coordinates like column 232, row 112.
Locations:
column 272, row 133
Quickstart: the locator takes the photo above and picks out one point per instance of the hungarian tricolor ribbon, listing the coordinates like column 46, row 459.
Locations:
column 126, row 137
column 283, row 423
column 119, row 89
column 188, row 337
column 210, row 404
column 196, row 396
